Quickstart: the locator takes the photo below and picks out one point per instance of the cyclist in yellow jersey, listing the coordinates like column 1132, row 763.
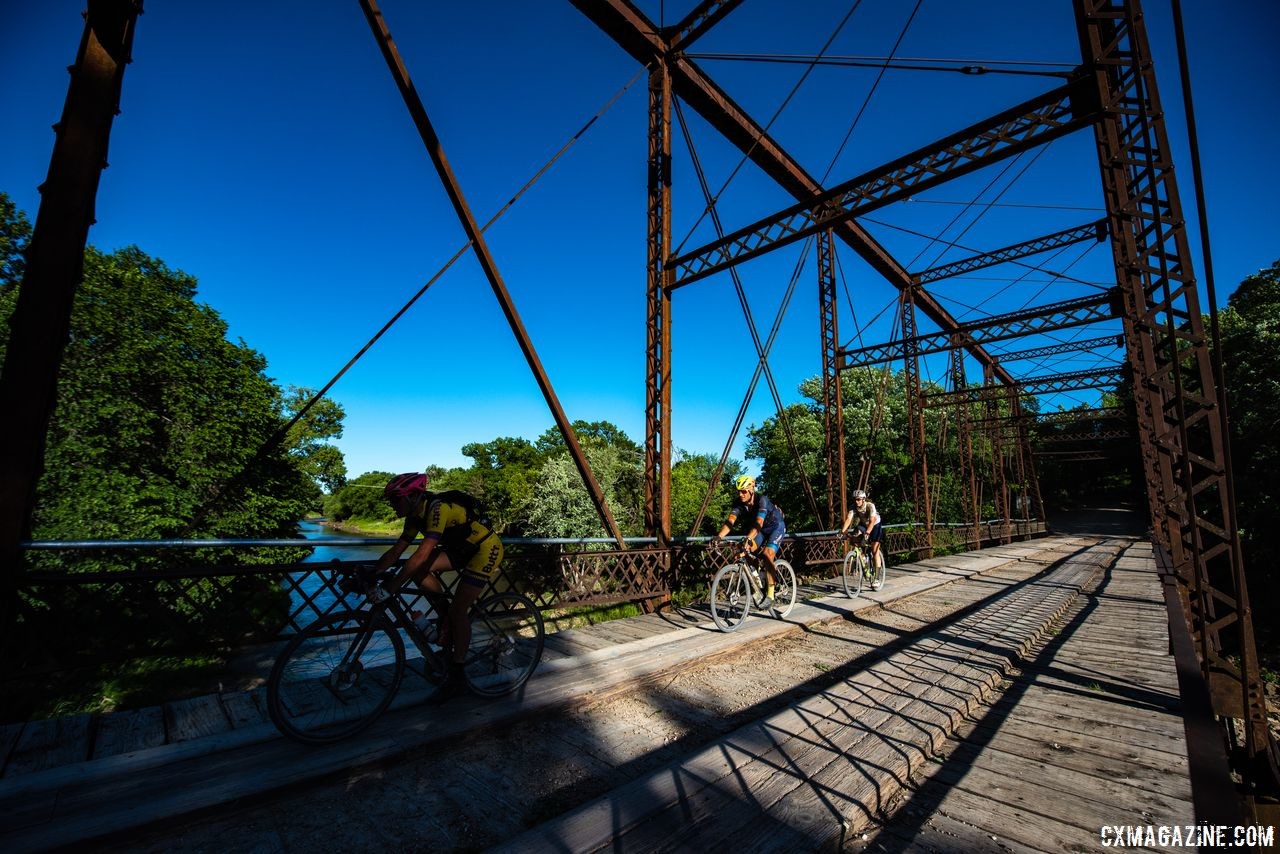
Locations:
column 449, row 541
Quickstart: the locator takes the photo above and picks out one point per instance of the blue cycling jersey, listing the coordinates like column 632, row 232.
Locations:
column 766, row 515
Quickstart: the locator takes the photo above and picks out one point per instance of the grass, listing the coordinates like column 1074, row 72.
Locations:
column 113, row 687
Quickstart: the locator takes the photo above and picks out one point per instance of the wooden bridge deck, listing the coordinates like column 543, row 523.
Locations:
column 1087, row 733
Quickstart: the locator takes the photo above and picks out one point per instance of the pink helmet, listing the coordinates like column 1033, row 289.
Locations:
column 402, row 485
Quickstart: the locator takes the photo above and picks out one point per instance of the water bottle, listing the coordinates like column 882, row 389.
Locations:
column 430, row 628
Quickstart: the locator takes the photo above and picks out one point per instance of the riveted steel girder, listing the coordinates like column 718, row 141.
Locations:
column 832, row 400
column 40, row 325
column 1031, row 123
column 435, row 149
column 644, row 41
column 1045, row 318
column 1049, row 384
column 1059, row 239
column 1180, row 417
column 1085, row 346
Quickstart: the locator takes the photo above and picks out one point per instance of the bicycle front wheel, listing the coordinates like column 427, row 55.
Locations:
column 878, row 574
column 507, row 637
column 730, row 597
column 335, row 677
column 784, row 590
column 853, row 573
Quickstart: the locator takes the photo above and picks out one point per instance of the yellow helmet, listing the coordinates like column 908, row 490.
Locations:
column 745, row 481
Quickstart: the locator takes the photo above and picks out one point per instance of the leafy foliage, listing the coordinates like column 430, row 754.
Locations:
column 1250, row 340
column 156, row 434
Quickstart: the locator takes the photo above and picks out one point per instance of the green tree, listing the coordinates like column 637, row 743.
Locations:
column 690, row 476
column 157, row 419
column 360, row 499
column 1250, row 340
column 308, row 439
column 15, row 234
column 558, row 503
column 502, row 476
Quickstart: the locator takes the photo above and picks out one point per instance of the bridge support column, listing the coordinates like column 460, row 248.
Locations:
column 657, row 441
column 1179, row 406
column 833, row 406
column 41, row 322
column 964, row 442
column 915, row 419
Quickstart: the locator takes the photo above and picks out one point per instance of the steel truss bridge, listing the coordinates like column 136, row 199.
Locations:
column 1167, row 358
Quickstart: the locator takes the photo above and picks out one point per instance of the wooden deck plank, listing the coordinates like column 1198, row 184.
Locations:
column 196, row 717
column 9, row 734
column 125, row 732
column 49, row 743
column 884, row 735
column 245, row 708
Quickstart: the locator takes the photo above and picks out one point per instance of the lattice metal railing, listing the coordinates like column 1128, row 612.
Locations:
column 186, row 609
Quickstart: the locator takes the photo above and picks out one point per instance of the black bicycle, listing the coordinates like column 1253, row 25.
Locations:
column 340, row 673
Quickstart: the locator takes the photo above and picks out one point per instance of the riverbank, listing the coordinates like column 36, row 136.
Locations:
column 365, row 528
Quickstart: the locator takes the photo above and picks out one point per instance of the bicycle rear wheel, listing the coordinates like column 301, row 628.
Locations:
column 784, row 590
column 878, row 574
column 853, row 573
column 730, row 597
column 335, row 677
column 507, row 638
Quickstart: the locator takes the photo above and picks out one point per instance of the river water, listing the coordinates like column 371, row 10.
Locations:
column 313, row 529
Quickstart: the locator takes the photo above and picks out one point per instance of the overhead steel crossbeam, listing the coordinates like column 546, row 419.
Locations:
column 1029, row 124
column 1049, row 384
column 1067, row 237
column 1075, row 456
column 1084, row 346
column 648, row 44
column 698, row 22
column 1038, row 419
column 1087, row 436
column 1000, row 327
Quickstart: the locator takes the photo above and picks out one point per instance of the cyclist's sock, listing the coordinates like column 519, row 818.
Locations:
column 768, row 591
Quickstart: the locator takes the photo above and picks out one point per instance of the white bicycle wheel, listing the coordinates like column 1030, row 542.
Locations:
column 730, row 597
column 853, row 573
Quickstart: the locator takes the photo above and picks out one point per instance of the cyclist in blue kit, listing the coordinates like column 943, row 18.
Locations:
column 768, row 527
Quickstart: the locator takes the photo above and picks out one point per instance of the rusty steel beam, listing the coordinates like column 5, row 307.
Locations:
column 917, row 441
column 657, row 443
column 989, row 395
column 964, row 441
column 1096, row 231
column 1089, row 436
column 1074, row 456
column 436, row 151
column 1034, row 122
column 40, row 325
column 640, row 38
column 999, row 327
column 1180, row 414
column 698, row 23
column 832, row 398
column 1048, row 384
column 1066, row 347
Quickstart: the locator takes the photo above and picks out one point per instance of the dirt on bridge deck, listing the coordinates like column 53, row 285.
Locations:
column 542, row 773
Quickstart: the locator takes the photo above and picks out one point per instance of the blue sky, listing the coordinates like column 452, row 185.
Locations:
column 264, row 149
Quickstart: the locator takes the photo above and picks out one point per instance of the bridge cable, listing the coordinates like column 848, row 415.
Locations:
column 953, row 66
column 762, row 352
column 794, row 89
column 281, row 433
